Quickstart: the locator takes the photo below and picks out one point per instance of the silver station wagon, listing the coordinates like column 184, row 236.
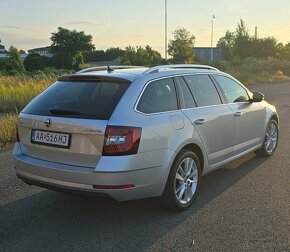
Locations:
column 136, row 132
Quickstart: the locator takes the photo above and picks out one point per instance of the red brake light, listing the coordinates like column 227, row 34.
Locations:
column 128, row 186
column 121, row 140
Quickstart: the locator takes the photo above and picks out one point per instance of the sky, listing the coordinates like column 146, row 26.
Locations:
column 27, row 24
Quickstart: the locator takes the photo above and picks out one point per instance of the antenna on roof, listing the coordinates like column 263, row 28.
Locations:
column 109, row 69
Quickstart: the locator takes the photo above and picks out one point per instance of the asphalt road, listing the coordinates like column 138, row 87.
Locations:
column 244, row 206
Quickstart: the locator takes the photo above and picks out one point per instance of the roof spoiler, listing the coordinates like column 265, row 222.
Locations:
column 91, row 78
column 108, row 68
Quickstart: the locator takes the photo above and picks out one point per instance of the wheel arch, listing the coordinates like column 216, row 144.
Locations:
column 275, row 117
column 197, row 150
column 195, row 147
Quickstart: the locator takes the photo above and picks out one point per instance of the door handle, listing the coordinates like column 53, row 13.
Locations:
column 239, row 113
column 199, row 122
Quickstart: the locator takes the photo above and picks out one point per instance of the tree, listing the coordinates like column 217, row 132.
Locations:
column 242, row 42
column 227, row 43
column 15, row 58
column 264, row 47
column 67, row 45
column 140, row 56
column 181, row 47
column 283, row 52
column 12, row 64
column 34, row 61
column 113, row 53
column 101, row 55
column 78, row 60
column 95, row 56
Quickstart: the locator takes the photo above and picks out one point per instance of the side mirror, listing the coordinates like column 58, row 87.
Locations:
column 257, row 97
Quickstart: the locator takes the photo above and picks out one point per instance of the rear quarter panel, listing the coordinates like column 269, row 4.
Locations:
column 157, row 130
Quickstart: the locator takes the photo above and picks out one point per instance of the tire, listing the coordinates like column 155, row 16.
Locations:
column 270, row 141
column 183, row 181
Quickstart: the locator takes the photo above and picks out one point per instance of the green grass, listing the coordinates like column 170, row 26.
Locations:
column 8, row 129
column 16, row 92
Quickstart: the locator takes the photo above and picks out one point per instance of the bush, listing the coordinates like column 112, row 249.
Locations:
column 34, row 62
column 141, row 56
column 253, row 70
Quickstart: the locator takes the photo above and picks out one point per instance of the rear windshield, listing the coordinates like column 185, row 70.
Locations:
column 90, row 100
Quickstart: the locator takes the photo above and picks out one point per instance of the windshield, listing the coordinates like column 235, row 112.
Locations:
column 90, row 100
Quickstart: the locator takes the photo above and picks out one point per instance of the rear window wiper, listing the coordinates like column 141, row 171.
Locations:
column 67, row 112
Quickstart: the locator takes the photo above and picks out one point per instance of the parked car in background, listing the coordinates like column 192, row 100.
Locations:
column 135, row 132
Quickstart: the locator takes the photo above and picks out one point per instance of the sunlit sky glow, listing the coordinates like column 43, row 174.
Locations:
column 28, row 24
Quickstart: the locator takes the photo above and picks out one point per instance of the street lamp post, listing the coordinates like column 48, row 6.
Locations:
column 211, row 51
column 166, row 30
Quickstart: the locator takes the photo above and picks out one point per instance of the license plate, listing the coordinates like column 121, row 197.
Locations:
column 49, row 138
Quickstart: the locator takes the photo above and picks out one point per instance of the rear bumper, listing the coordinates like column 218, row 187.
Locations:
column 147, row 181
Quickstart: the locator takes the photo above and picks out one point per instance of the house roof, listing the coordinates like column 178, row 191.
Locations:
column 40, row 48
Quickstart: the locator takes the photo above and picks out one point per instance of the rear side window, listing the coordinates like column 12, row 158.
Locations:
column 90, row 100
column 187, row 100
column 159, row 96
column 203, row 90
column 233, row 90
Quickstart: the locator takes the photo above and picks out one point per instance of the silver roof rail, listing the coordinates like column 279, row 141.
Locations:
column 108, row 68
column 157, row 69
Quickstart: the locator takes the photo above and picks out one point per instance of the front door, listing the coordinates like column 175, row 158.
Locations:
column 249, row 117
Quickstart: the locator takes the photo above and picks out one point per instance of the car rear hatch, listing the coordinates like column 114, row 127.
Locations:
column 67, row 122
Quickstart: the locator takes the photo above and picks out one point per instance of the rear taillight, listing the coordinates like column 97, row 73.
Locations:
column 17, row 135
column 121, row 140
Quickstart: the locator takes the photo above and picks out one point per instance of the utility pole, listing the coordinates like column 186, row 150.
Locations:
column 166, row 30
column 211, row 51
column 256, row 32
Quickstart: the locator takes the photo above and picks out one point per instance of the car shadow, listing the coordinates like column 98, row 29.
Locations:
column 51, row 220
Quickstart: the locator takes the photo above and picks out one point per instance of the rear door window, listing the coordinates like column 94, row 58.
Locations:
column 203, row 90
column 90, row 100
column 159, row 96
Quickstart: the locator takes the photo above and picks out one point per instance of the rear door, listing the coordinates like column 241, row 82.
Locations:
column 66, row 123
column 163, row 122
column 211, row 118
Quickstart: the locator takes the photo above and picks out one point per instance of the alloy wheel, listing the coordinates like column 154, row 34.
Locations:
column 271, row 138
column 186, row 180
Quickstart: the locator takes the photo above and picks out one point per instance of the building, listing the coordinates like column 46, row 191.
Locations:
column 3, row 52
column 42, row 51
column 204, row 53
column 2, row 48
column 4, row 55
